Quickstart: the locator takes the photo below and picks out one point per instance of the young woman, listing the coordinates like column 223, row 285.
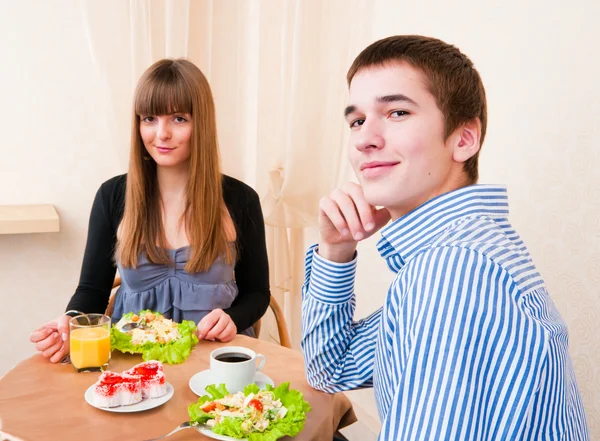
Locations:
column 188, row 241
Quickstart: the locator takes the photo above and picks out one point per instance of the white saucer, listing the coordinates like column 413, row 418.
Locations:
column 148, row 403
column 204, row 378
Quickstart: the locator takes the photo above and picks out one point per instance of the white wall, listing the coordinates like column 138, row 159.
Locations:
column 54, row 149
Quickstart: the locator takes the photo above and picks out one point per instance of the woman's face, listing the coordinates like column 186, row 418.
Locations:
column 167, row 138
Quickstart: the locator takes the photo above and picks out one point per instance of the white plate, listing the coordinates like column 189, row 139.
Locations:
column 209, row 433
column 148, row 403
column 203, row 378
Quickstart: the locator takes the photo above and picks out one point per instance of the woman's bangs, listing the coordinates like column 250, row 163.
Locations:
column 163, row 93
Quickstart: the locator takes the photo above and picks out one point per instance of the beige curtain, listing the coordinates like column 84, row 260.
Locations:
column 276, row 81
column 143, row 31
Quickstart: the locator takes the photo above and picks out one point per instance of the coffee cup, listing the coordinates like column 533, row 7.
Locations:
column 235, row 366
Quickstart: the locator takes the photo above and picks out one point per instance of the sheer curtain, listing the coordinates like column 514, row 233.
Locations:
column 278, row 89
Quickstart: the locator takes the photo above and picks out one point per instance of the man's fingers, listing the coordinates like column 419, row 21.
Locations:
column 381, row 217
column 363, row 208
column 332, row 212
column 349, row 213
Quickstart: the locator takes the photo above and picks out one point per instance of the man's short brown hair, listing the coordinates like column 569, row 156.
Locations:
column 451, row 78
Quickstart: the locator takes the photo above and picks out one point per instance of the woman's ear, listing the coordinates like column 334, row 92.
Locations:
column 466, row 140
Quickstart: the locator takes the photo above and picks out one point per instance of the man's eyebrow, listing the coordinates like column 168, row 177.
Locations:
column 384, row 99
column 349, row 110
column 395, row 97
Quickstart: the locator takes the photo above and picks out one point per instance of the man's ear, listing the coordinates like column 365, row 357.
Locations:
column 465, row 140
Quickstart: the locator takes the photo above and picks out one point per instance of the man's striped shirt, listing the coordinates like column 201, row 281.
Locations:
column 468, row 344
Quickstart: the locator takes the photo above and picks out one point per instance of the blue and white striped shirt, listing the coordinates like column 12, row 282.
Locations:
column 468, row 344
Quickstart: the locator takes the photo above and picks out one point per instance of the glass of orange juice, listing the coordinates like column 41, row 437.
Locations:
column 90, row 342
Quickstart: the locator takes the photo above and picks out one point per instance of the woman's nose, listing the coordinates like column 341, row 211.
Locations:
column 163, row 130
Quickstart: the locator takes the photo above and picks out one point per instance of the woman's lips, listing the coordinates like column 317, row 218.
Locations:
column 164, row 149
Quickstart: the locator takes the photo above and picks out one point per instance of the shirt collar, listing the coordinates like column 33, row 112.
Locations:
column 415, row 230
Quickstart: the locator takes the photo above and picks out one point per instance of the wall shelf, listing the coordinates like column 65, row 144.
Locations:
column 22, row 219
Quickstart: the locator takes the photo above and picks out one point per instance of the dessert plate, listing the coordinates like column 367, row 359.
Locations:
column 148, row 403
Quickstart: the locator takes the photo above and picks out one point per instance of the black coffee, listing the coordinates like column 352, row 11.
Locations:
column 232, row 357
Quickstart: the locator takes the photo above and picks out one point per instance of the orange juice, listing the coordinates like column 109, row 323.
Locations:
column 90, row 347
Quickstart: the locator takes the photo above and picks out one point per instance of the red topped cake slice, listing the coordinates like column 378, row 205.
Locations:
column 152, row 377
column 113, row 389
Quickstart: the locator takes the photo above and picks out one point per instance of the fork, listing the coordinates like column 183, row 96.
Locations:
column 182, row 426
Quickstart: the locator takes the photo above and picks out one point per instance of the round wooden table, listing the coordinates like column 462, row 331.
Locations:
column 42, row 401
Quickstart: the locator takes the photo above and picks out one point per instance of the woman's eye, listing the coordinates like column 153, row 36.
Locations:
column 148, row 119
column 180, row 119
column 357, row 123
column 398, row 113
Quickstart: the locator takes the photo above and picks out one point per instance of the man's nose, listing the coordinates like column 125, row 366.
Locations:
column 369, row 136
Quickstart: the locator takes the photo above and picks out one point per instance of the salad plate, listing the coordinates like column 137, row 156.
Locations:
column 155, row 337
column 210, row 434
column 253, row 414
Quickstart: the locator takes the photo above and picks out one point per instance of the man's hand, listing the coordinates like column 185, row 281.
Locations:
column 52, row 339
column 216, row 325
column 345, row 218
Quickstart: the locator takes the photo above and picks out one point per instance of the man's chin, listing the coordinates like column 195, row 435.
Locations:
column 376, row 197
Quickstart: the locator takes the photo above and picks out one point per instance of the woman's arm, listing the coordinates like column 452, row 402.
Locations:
column 252, row 267
column 98, row 268
column 97, row 274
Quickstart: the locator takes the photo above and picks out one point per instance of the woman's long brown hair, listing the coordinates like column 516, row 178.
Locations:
column 167, row 87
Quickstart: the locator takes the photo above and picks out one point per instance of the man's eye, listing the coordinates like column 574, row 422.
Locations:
column 398, row 113
column 357, row 123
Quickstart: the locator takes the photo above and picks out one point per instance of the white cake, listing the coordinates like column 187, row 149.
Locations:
column 152, row 377
column 113, row 389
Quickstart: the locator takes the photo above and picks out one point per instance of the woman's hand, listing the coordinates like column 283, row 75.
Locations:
column 52, row 339
column 216, row 325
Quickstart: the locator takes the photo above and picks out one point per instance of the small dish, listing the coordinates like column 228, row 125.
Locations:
column 199, row 381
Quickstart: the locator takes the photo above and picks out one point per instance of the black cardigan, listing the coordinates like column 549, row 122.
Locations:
column 251, row 269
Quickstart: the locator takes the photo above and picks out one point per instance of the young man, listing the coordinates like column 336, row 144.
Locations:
column 468, row 344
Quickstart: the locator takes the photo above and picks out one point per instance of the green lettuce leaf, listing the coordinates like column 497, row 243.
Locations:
column 174, row 352
column 196, row 413
column 217, row 392
column 230, row 427
column 214, row 393
column 251, row 389
column 290, row 425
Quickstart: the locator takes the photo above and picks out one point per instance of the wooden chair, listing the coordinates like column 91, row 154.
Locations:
column 284, row 336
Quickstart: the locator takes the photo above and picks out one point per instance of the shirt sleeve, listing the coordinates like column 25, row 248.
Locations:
column 469, row 358
column 338, row 352
column 98, row 268
column 252, row 266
